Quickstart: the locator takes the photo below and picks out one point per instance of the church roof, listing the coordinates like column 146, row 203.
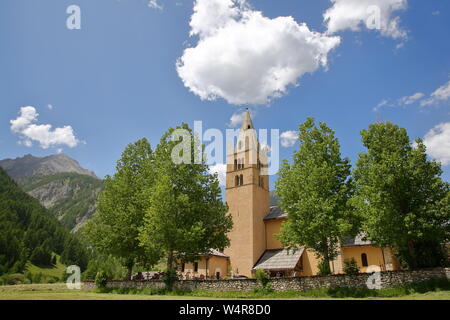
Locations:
column 279, row 259
column 217, row 253
column 247, row 121
column 275, row 212
column 359, row 240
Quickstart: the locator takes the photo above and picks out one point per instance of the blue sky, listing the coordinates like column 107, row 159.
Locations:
column 115, row 80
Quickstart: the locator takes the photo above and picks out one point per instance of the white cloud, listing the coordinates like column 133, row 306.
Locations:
column 437, row 141
column 237, row 118
column 154, row 4
column 43, row 133
column 440, row 95
column 246, row 58
column 354, row 14
column 410, row 99
column 288, row 138
column 50, row 106
column 221, row 170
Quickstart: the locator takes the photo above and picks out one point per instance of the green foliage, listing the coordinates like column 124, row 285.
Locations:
column 314, row 191
column 113, row 230
column 101, row 262
column 324, row 268
column 101, row 279
column 351, row 266
column 401, row 197
column 41, row 256
column 186, row 215
column 77, row 204
column 25, row 225
column 170, row 277
column 263, row 279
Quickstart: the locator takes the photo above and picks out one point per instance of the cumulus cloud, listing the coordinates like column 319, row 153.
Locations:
column 245, row 57
column 288, row 138
column 440, row 95
column 355, row 14
column 437, row 141
column 221, row 170
column 29, row 132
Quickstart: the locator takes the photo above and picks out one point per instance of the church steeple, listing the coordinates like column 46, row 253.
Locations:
column 247, row 194
column 247, row 121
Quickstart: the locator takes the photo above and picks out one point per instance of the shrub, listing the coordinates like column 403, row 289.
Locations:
column 324, row 268
column 351, row 266
column 15, row 278
column 169, row 277
column 101, row 279
column 263, row 279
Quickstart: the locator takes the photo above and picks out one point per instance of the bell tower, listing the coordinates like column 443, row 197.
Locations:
column 247, row 195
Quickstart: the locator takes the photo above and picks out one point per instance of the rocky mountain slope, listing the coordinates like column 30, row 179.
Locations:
column 29, row 166
column 59, row 183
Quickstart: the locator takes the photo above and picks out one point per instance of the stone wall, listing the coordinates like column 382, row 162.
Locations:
column 387, row 279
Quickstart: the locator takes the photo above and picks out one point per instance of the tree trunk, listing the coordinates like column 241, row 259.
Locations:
column 412, row 253
column 129, row 266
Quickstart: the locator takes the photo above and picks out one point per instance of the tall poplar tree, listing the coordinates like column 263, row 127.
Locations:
column 186, row 216
column 401, row 197
column 314, row 191
column 121, row 207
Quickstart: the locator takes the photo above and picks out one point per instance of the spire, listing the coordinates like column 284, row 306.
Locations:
column 247, row 121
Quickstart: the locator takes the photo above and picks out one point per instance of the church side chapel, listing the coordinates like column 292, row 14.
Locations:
column 253, row 244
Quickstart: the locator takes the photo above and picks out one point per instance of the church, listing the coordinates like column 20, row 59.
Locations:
column 253, row 242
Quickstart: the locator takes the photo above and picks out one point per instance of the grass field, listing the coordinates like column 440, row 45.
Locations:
column 54, row 271
column 60, row 292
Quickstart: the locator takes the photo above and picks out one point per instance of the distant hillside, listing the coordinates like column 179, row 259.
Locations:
column 60, row 184
column 28, row 232
column 273, row 199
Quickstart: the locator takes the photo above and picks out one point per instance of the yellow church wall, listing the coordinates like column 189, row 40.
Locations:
column 207, row 266
column 382, row 258
column 310, row 263
column 273, row 228
column 218, row 264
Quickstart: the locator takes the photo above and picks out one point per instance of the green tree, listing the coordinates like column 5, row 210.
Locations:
column 121, row 207
column 186, row 216
column 314, row 191
column 400, row 195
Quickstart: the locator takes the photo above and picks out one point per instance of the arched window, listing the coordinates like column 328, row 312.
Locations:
column 242, row 180
column 236, row 181
column 364, row 260
column 235, row 164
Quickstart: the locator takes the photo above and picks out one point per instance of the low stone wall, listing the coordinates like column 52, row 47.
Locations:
column 387, row 279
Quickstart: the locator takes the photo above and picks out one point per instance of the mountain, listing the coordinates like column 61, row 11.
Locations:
column 29, row 166
column 60, row 184
column 28, row 232
column 273, row 199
